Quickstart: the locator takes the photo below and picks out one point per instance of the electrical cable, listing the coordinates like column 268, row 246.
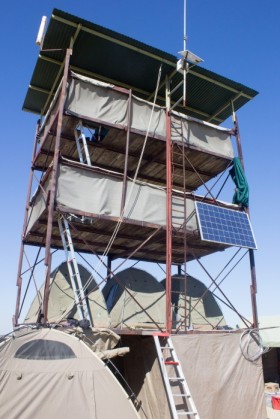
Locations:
column 246, row 339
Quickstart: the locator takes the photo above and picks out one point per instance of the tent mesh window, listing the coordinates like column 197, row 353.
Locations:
column 44, row 349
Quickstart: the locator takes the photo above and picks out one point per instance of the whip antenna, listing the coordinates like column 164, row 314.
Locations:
column 183, row 64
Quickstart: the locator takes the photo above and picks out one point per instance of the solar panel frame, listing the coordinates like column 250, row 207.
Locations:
column 224, row 225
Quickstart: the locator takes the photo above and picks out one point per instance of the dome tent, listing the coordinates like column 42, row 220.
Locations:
column 61, row 298
column 125, row 290
column 205, row 311
column 46, row 373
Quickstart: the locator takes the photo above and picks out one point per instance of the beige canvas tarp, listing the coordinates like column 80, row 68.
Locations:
column 61, row 298
column 49, row 374
column 144, row 202
column 89, row 98
column 222, row 382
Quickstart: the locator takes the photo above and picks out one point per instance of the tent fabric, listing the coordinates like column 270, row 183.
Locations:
column 150, row 294
column 222, row 382
column 241, row 195
column 61, row 298
column 142, row 371
column 88, row 98
column 77, row 387
column 128, row 286
column 190, row 297
column 101, row 341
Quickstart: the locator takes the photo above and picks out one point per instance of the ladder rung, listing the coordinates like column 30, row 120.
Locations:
column 171, row 363
column 177, row 154
column 176, row 378
column 181, row 394
column 177, row 383
column 177, row 163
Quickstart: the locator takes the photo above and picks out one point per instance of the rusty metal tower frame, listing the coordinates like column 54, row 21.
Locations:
column 55, row 126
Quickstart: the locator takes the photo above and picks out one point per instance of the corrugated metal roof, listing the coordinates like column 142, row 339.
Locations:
column 113, row 57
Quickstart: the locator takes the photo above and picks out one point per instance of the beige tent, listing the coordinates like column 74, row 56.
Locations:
column 61, row 298
column 135, row 299
column 200, row 304
column 49, row 374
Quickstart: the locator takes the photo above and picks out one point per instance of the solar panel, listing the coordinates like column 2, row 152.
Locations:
column 224, row 225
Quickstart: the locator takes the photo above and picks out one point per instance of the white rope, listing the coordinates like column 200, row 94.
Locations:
column 117, row 228
column 109, row 245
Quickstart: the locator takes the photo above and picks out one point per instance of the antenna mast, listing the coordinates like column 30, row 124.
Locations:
column 183, row 64
column 186, row 66
column 185, row 25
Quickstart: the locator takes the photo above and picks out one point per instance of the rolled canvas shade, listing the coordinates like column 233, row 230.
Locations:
column 61, row 298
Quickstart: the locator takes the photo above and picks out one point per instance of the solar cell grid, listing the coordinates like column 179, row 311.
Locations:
column 224, row 225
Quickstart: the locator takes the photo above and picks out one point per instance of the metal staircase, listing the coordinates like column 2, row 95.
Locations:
column 179, row 397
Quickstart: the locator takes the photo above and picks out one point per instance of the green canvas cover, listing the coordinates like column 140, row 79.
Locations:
column 241, row 195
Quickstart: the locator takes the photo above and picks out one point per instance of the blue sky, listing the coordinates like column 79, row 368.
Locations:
column 239, row 40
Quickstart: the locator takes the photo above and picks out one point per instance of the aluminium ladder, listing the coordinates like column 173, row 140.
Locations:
column 181, row 403
column 73, row 269
column 81, row 143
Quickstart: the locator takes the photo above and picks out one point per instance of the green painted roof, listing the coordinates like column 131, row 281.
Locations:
column 112, row 57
